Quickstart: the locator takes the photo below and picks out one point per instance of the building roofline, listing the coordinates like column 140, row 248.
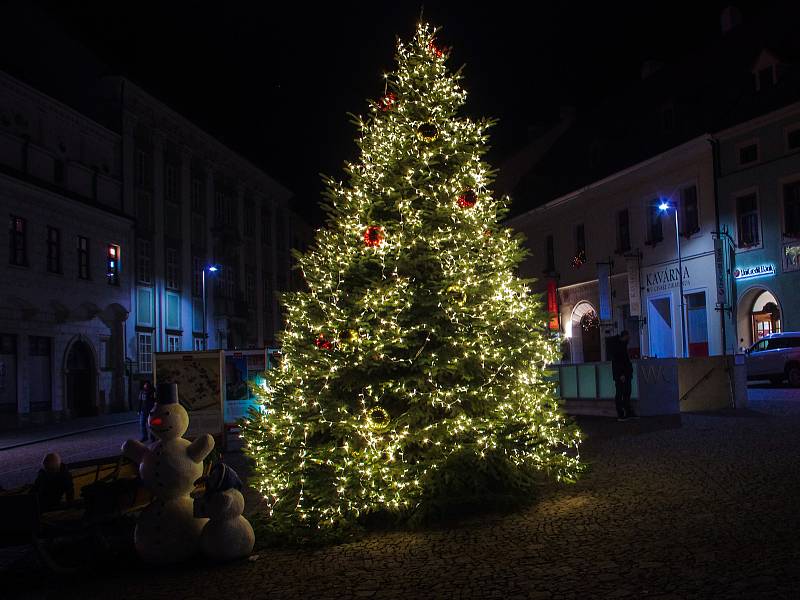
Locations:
column 27, row 180
column 200, row 132
column 77, row 115
column 697, row 141
column 758, row 121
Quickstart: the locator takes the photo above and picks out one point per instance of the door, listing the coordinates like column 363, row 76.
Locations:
column 659, row 324
column 697, row 324
column 81, row 392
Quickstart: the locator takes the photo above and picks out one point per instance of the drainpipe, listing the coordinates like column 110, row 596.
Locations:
column 729, row 369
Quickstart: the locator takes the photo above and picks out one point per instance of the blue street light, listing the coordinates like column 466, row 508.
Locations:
column 664, row 206
column 210, row 269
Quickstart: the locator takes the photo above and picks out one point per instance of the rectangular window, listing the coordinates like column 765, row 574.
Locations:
column 173, row 269
column 748, row 154
column 144, row 261
column 550, row 255
column 198, row 205
column 198, row 230
column 655, row 232
column 140, row 168
column 144, row 211
column 83, row 258
column 280, row 231
column 269, row 294
column 172, row 219
column 144, row 306
column 249, row 219
column 690, row 217
column 791, row 209
column 112, row 264
column 198, row 344
column 580, row 241
column 747, row 220
column 793, row 139
column 173, row 343
column 18, row 246
column 53, row 250
column 623, row 231
column 266, row 226
column 250, row 288
column 144, row 346
column 697, row 324
column 173, row 304
column 197, row 315
column 171, row 183
column 197, row 276
column 219, row 207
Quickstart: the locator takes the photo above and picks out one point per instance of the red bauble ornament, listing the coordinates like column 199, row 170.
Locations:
column 373, row 236
column 436, row 51
column 323, row 343
column 467, row 199
column 388, row 102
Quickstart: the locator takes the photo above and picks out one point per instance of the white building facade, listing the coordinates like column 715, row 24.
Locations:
column 606, row 259
column 67, row 262
column 197, row 205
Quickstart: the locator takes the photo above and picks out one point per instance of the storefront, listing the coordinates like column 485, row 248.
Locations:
column 666, row 331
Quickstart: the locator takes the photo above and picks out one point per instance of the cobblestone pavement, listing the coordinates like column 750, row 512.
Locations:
column 19, row 466
column 703, row 506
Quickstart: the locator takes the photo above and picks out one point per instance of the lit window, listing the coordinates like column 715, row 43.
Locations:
column 112, row 264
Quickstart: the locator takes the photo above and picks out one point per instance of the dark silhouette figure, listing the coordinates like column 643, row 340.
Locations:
column 53, row 482
column 622, row 370
column 146, row 401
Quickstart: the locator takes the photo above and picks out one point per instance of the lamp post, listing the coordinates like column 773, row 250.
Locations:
column 210, row 269
column 664, row 207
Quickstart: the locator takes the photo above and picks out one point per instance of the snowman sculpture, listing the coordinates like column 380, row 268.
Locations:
column 227, row 535
column 167, row 531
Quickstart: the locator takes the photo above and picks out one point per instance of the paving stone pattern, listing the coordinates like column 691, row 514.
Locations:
column 705, row 506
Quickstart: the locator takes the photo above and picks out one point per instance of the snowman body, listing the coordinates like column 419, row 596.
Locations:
column 166, row 531
column 227, row 535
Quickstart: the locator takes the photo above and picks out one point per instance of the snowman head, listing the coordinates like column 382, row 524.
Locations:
column 168, row 419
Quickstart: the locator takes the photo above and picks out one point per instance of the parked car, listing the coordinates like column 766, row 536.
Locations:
column 775, row 357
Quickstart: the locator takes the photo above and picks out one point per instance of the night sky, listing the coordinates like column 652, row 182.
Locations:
column 275, row 81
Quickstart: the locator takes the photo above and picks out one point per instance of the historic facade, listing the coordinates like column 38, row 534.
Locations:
column 606, row 258
column 759, row 192
column 67, row 262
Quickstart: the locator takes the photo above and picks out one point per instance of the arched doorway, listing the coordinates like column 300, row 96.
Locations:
column 759, row 314
column 585, row 333
column 81, row 390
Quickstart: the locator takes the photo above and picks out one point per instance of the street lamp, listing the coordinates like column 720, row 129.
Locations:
column 210, row 269
column 664, row 206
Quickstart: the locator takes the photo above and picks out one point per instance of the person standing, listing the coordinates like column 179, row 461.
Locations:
column 146, row 402
column 622, row 371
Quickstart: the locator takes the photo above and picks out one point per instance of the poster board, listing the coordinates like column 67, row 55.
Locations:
column 243, row 370
column 199, row 376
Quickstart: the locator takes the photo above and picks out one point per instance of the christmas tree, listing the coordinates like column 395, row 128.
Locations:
column 416, row 364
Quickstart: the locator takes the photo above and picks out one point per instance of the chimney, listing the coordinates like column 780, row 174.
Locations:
column 730, row 18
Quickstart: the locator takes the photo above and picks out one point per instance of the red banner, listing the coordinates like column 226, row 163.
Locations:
column 552, row 303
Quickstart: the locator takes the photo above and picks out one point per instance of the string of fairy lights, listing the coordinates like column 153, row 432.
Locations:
column 415, row 342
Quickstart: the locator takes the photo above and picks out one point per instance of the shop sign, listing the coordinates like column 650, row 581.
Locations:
column 719, row 267
column 634, row 287
column 791, row 257
column 666, row 279
column 754, row 271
